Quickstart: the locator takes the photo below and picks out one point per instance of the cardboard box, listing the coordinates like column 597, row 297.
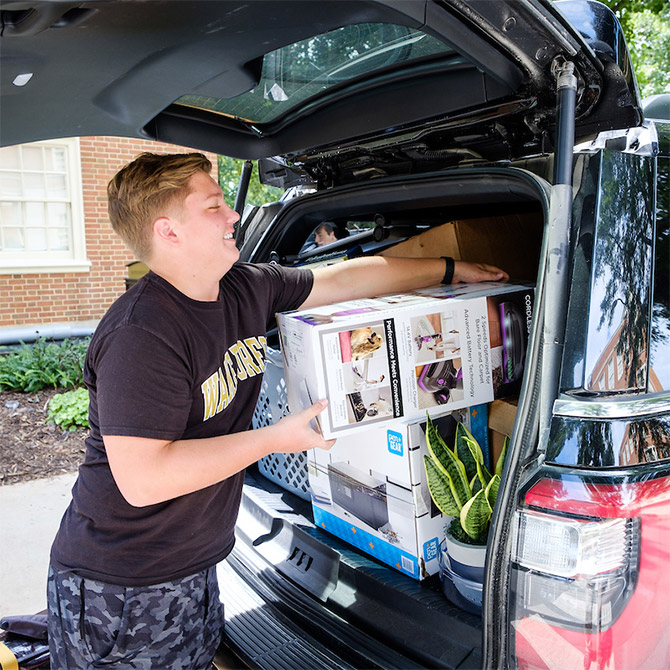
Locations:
column 501, row 416
column 509, row 241
column 402, row 356
column 370, row 490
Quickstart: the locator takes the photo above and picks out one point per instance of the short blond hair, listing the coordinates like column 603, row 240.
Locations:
column 147, row 188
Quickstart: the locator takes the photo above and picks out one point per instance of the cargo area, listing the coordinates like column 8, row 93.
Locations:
column 311, row 580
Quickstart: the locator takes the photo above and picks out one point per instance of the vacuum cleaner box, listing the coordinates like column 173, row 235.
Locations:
column 401, row 356
column 370, row 490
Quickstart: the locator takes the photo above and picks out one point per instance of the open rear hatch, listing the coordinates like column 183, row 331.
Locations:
column 303, row 79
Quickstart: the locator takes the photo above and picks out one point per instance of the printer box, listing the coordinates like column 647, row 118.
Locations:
column 370, row 490
column 394, row 357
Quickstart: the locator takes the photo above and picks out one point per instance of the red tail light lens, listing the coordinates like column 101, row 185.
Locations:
column 590, row 574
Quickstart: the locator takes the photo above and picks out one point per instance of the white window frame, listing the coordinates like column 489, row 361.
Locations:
column 72, row 260
column 619, row 366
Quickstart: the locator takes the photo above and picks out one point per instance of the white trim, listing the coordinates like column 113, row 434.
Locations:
column 31, row 266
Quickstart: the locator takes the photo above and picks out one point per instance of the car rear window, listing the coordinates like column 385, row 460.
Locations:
column 297, row 72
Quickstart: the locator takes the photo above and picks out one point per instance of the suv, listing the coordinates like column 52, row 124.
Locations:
column 390, row 118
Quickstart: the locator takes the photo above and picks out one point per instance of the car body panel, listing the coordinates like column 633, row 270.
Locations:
column 615, row 220
column 608, row 432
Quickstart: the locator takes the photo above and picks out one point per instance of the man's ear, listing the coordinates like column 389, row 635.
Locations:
column 164, row 230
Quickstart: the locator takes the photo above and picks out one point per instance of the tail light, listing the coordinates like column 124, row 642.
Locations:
column 576, row 574
column 590, row 574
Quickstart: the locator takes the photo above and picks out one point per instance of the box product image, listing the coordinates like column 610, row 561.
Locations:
column 401, row 356
column 370, row 490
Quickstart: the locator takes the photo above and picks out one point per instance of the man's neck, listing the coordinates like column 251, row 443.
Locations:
column 191, row 285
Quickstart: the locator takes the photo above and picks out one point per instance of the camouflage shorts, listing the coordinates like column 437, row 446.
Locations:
column 171, row 626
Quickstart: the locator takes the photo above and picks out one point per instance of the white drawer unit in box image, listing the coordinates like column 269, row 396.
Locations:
column 402, row 356
column 370, row 490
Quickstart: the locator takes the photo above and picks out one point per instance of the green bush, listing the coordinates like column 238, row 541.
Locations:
column 43, row 365
column 69, row 410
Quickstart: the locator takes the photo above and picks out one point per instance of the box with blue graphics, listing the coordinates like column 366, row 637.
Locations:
column 370, row 490
column 399, row 357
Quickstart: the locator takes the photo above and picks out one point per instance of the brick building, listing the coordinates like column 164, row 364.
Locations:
column 60, row 260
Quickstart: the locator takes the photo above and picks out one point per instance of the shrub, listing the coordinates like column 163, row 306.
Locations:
column 43, row 365
column 69, row 410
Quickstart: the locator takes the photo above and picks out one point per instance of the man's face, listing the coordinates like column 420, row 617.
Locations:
column 206, row 225
column 322, row 236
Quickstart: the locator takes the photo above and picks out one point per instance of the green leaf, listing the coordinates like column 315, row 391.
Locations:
column 467, row 449
column 69, row 410
column 446, row 461
column 475, row 516
column 492, row 490
column 476, row 484
column 440, row 489
column 500, row 464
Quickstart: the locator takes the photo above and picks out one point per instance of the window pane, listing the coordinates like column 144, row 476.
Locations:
column 57, row 186
column 59, row 239
column 10, row 184
column 34, row 186
column 9, row 158
column 36, row 239
column 298, row 71
column 35, row 214
column 32, row 158
column 10, row 214
column 58, row 215
column 57, row 159
column 14, row 239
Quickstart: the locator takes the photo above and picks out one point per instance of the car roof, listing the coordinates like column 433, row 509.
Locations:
column 216, row 74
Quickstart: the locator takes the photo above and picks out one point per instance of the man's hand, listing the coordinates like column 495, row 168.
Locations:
column 298, row 432
column 476, row 272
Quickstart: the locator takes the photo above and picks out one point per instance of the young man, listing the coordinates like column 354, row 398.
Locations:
column 325, row 234
column 174, row 370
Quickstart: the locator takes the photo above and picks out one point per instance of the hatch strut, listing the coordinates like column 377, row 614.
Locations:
column 558, row 246
column 243, row 186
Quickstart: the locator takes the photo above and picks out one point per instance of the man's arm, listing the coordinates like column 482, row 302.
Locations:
column 149, row 471
column 376, row 275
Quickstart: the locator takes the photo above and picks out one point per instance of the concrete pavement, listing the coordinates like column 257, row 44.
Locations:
column 30, row 513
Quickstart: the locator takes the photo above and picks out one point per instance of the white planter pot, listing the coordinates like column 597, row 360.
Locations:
column 466, row 560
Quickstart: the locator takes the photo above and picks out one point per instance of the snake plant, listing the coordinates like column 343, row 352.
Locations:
column 459, row 483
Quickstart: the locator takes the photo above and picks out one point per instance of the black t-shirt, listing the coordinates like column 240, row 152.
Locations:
column 161, row 365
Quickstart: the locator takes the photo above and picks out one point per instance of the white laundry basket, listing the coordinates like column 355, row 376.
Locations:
column 287, row 470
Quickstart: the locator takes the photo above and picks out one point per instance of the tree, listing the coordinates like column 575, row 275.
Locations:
column 229, row 177
column 646, row 27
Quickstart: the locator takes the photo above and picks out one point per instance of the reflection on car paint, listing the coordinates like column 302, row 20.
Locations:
column 619, row 315
column 610, row 443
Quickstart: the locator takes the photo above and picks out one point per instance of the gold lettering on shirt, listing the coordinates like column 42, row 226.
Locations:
column 257, row 348
column 231, row 374
column 247, row 360
column 224, row 398
column 209, row 391
column 241, row 370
